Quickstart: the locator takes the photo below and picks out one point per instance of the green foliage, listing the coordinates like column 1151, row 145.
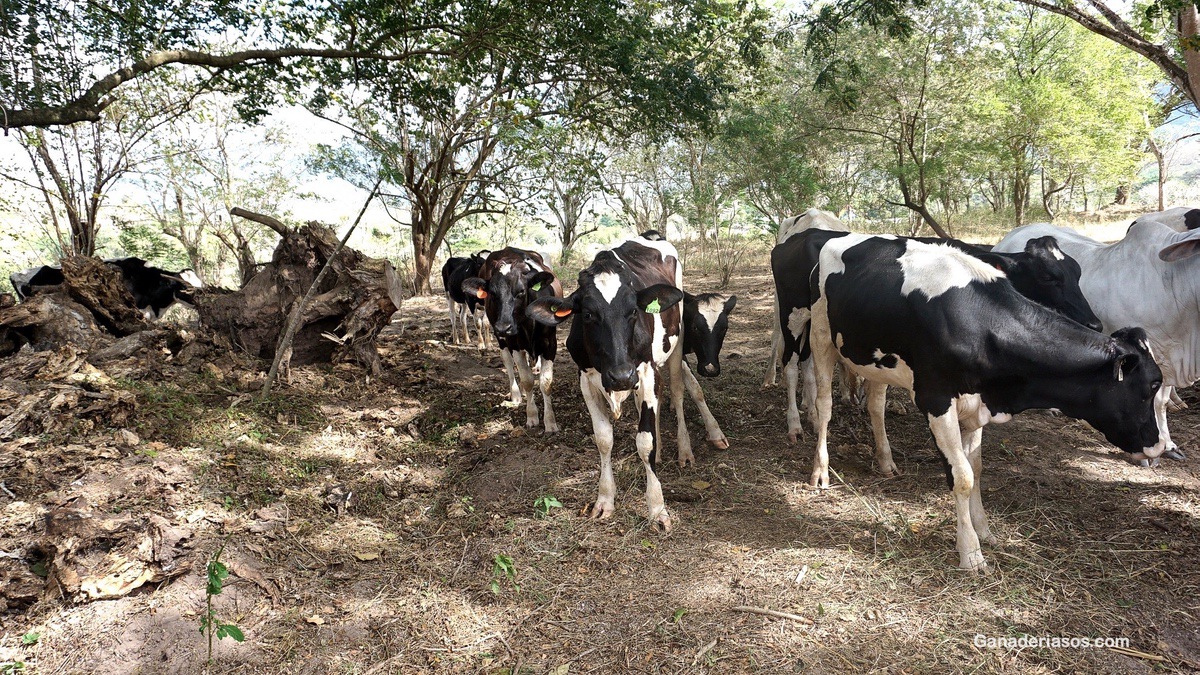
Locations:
column 216, row 572
column 544, row 503
column 503, row 568
column 30, row 638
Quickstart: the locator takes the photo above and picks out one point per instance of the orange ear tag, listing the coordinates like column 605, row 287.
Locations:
column 481, row 294
column 562, row 311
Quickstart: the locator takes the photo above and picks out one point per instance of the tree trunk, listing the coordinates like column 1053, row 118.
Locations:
column 1122, row 196
column 1162, row 168
column 1020, row 197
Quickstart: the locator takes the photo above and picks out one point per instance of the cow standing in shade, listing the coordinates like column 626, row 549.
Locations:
column 508, row 281
column 627, row 329
column 461, row 304
column 955, row 332
column 1151, row 278
column 154, row 290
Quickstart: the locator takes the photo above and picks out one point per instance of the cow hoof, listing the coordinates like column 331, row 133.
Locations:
column 889, row 471
column 551, row 429
column 662, row 523
column 600, row 510
column 819, row 480
column 974, row 563
column 990, row 540
column 1141, row 460
column 1174, row 453
column 795, row 435
column 721, row 443
column 685, row 458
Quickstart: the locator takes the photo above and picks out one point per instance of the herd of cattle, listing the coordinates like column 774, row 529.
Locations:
column 1046, row 319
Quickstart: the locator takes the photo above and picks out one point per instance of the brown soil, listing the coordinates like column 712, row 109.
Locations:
column 444, row 480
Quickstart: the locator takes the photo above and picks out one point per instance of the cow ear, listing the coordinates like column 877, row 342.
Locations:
column 542, row 283
column 1000, row 262
column 475, row 286
column 1184, row 246
column 658, row 297
column 730, row 303
column 551, row 311
column 1124, row 364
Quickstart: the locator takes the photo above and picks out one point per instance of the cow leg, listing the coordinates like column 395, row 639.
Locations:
column 774, row 360
column 949, row 441
column 711, row 428
column 791, row 377
column 972, row 443
column 546, row 380
column 484, row 327
column 602, row 434
column 646, row 397
column 823, row 361
column 1161, row 401
column 675, row 368
column 462, row 316
column 1176, row 404
column 876, row 406
column 521, row 358
column 514, row 389
column 453, row 318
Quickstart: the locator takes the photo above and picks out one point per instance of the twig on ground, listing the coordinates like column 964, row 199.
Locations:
column 704, row 650
column 770, row 612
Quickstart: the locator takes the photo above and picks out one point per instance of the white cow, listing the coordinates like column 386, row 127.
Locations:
column 1179, row 218
column 1151, row 279
column 822, row 220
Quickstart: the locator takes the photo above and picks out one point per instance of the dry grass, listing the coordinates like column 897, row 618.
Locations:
column 446, row 480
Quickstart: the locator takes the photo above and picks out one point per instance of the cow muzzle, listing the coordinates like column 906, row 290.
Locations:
column 619, row 378
column 710, row 369
column 506, row 329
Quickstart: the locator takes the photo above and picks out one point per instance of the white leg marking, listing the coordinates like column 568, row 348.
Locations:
column 823, row 361
column 521, row 358
column 546, row 380
column 876, row 406
column 949, row 440
column 711, row 428
column 514, row 390
column 602, row 434
column 675, row 371
column 453, row 319
column 646, row 442
column 791, row 376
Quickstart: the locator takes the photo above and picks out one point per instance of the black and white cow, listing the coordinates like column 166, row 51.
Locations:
column 27, row 282
column 508, row 281
column 1151, row 278
column 705, row 322
column 627, row 329
column 154, row 290
column 461, row 304
column 955, row 332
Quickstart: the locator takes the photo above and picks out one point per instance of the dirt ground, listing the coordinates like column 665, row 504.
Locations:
column 445, row 484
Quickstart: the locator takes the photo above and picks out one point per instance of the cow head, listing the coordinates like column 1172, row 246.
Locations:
column 617, row 321
column 510, row 287
column 1122, row 405
column 1050, row 278
column 706, row 320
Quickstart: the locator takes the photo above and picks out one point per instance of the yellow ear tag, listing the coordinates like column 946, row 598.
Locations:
column 537, row 286
column 653, row 307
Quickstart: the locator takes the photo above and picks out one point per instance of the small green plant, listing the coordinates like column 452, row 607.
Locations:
column 7, row 667
column 30, row 638
column 210, row 625
column 503, row 568
column 678, row 614
column 544, row 503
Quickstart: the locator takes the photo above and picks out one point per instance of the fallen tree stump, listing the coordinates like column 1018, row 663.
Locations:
column 354, row 302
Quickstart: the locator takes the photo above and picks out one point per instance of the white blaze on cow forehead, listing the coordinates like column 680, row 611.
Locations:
column 934, row 269
column 1056, row 251
column 608, row 283
column 505, row 268
column 711, row 309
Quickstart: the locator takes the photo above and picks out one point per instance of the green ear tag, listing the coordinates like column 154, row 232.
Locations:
column 537, row 286
column 653, row 307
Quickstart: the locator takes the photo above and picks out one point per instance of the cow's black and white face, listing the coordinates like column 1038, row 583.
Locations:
column 706, row 320
column 1124, row 409
column 1050, row 277
column 618, row 324
column 512, row 286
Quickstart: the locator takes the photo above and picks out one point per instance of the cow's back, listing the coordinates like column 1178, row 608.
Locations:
column 810, row 219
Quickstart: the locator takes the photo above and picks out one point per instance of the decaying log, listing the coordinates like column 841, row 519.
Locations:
column 353, row 302
column 47, row 321
column 101, row 289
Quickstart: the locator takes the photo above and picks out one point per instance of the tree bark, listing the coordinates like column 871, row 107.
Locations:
column 1162, row 168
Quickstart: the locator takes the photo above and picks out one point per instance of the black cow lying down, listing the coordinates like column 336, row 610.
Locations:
column 154, row 290
column 955, row 332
